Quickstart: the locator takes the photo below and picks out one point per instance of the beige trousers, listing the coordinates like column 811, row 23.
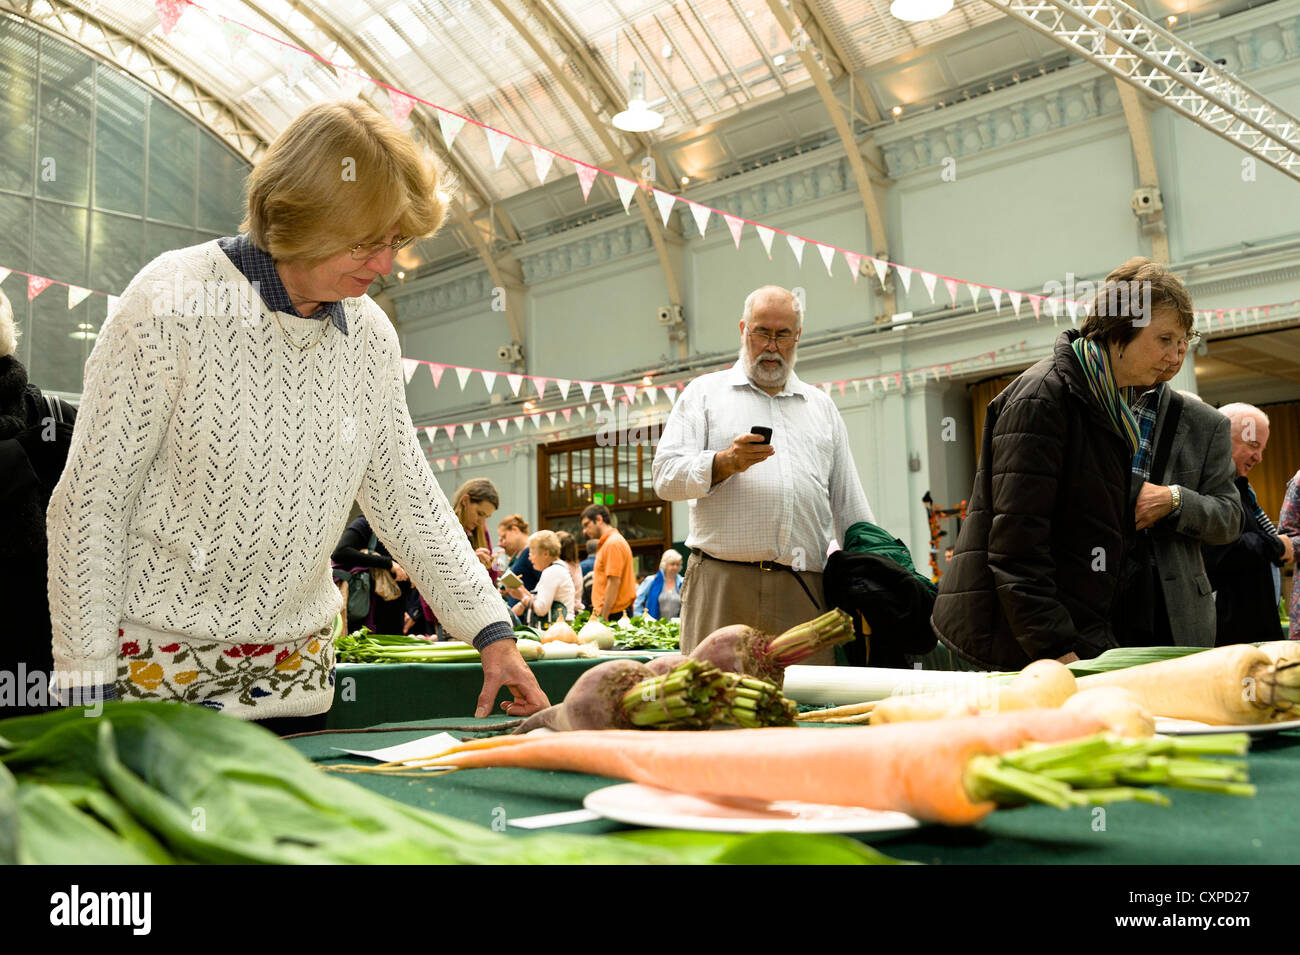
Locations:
column 717, row 594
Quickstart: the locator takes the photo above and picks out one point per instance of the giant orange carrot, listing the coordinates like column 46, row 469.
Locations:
column 916, row 768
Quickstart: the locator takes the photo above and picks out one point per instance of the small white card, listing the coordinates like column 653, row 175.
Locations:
column 415, row 749
column 555, row 819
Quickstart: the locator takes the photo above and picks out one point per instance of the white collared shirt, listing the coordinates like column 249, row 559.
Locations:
column 786, row 508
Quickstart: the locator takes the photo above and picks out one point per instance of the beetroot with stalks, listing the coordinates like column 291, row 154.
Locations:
column 750, row 652
column 624, row 694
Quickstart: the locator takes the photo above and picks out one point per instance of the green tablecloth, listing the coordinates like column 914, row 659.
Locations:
column 1196, row 829
column 370, row 693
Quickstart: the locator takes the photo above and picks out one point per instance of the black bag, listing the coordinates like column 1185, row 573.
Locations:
column 895, row 603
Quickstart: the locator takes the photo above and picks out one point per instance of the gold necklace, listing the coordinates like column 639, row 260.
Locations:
column 324, row 328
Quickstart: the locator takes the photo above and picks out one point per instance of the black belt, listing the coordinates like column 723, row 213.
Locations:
column 763, row 565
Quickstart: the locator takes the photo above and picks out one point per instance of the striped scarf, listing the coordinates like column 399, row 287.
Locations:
column 1101, row 381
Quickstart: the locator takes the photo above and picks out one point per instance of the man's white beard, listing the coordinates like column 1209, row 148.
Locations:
column 763, row 377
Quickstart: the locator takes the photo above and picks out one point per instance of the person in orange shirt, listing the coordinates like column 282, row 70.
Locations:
column 614, row 582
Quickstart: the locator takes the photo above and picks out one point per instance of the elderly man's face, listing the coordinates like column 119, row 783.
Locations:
column 769, row 341
column 1249, row 436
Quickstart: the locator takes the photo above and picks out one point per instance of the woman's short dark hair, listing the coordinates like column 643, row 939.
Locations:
column 1129, row 299
column 568, row 547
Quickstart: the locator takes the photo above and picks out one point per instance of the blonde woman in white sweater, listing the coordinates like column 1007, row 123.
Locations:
column 239, row 398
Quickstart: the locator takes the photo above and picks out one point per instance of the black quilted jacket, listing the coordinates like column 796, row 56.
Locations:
column 1038, row 556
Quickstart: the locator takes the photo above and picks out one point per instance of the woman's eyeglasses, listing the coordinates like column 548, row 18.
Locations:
column 363, row 251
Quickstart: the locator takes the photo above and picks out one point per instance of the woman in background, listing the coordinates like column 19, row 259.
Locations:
column 554, row 595
column 660, row 596
column 569, row 554
column 474, row 502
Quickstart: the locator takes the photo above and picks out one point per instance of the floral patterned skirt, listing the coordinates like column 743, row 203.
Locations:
column 249, row 680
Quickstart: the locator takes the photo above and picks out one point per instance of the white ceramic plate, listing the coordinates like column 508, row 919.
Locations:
column 639, row 805
column 1171, row 727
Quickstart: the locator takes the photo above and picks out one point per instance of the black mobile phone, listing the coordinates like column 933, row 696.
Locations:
column 765, row 432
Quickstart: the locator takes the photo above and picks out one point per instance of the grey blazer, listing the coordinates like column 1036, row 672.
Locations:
column 1200, row 462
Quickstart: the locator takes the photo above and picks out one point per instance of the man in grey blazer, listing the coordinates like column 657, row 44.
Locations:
column 1192, row 501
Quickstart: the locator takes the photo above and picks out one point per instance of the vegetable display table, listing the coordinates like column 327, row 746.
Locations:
column 1197, row 828
column 370, row 693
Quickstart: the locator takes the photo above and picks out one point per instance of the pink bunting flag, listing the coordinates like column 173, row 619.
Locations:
column 567, row 412
column 540, row 385
column 401, row 105
column 855, row 264
column 828, row 255
column 735, row 225
column 951, row 286
column 455, row 460
column 436, row 371
column 586, row 176
column 1036, row 301
column 169, row 13
column 840, row 386
column 550, row 417
column 36, row 284
column 450, row 431
column 929, row 279
column 701, row 216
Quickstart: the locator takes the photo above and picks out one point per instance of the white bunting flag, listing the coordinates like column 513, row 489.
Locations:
column 468, row 429
column 1072, row 307
column 497, row 143
column 442, row 464
column 857, row 386
column 462, row 375
column 974, row 294
column 825, row 386
column 765, row 236
column 736, row 226
column 431, row 434
column 882, row 269
column 586, row 389
column 665, row 201
column 608, row 389
column 542, row 159
column 651, row 392
column 906, row 275
column 451, row 125
column 408, row 368
column 929, row 279
column 626, row 189
column 586, row 176
column 489, row 379
column 582, row 412
column 536, row 419
column 514, row 381
column 502, row 423
column 518, row 422
column 235, row 36
column 496, row 453
column 796, row 246
column 701, row 214
column 351, row 83
column 671, row 394
column 1015, row 301
column 5, row 273
column 996, row 295
column 550, row 417
column 854, row 262
column 828, row 255
column 630, row 391
column 486, row 426
column 563, row 384
column 77, row 295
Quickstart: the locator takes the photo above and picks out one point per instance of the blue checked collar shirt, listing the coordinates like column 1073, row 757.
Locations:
column 1145, row 409
column 259, row 268
column 788, row 507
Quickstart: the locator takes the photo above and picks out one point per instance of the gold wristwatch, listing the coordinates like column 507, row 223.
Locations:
column 1175, row 498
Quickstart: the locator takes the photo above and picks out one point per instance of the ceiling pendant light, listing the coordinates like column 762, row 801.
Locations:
column 914, row 11
column 638, row 117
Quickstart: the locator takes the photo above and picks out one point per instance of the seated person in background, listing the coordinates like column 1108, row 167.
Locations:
column 512, row 535
column 569, row 554
column 554, row 596
column 1245, row 597
column 660, row 596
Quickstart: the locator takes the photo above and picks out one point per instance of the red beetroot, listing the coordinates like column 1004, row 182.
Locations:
column 664, row 664
column 751, row 652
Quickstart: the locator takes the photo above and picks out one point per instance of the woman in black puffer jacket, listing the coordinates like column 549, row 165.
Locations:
column 1038, row 558
column 33, row 449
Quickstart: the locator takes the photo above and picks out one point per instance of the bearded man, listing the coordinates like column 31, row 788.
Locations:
column 763, row 513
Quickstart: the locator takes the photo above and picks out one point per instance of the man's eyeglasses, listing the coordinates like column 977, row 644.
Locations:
column 1191, row 341
column 781, row 339
column 364, row 251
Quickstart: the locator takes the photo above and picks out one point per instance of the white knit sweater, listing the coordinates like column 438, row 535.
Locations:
column 211, row 474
